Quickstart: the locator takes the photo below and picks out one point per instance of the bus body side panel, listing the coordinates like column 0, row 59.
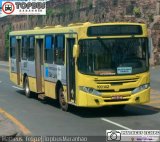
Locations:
column 15, row 45
column 13, row 70
column 50, row 78
column 28, row 68
column 53, row 73
column 50, row 89
column 32, row 84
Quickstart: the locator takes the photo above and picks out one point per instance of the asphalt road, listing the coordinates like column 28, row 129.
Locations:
column 48, row 119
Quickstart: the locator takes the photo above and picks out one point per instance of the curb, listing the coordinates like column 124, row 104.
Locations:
column 8, row 130
column 11, row 129
column 4, row 63
column 4, row 66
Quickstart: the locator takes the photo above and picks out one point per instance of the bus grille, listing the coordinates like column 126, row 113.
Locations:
column 120, row 100
column 112, row 91
column 116, row 82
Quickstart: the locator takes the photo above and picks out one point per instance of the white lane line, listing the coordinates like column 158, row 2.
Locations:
column 114, row 123
column 17, row 88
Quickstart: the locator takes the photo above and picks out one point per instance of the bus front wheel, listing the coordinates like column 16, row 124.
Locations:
column 62, row 102
column 26, row 88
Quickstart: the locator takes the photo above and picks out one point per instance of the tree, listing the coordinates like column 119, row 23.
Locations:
column 8, row 30
column 137, row 12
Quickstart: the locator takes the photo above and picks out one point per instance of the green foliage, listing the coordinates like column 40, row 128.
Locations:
column 9, row 29
column 90, row 4
column 49, row 12
column 65, row 9
column 151, row 17
column 78, row 4
column 137, row 12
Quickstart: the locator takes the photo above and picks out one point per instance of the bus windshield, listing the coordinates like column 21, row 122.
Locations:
column 119, row 56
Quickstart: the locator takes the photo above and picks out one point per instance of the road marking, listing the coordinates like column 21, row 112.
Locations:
column 17, row 122
column 114, row 123
column 17, row 88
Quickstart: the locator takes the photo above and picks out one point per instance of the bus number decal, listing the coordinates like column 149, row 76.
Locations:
column 102, row 86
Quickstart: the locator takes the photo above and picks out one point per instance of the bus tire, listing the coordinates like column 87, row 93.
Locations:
column 26, row 88
column 63, row 104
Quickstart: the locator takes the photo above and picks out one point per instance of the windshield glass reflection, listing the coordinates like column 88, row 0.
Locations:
column 113, row 56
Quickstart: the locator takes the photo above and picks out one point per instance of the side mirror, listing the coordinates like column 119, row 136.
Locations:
column 75, row 51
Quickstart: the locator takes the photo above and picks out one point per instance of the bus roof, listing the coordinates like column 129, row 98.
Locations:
column 71, row 28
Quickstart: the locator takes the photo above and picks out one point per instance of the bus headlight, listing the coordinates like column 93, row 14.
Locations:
column 89, row 90
column 140, row 88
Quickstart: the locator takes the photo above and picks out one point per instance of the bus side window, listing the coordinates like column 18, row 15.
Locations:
column 24, row 47
column 49, row 46
column 13, row 47
column 31, row 48
column 59, row 49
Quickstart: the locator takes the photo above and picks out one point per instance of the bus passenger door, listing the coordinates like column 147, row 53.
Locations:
column 39, row 63
column 70, row 64
column 18, row 59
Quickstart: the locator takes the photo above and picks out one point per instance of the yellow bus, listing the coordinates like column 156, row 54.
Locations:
column 83, row 64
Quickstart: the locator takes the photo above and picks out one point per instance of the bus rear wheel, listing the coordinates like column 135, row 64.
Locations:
column 62, row 102
column 26, row 88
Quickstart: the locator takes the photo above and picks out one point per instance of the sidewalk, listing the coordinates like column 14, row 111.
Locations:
column 4, row 63
column 155, row 71
column 8, row 129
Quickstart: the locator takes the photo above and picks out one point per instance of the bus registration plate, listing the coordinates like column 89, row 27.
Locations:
column 117, row 97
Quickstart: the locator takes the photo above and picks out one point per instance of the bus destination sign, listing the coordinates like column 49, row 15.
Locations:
column 114, row 30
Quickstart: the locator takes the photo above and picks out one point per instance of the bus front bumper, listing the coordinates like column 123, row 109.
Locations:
column 89, row 100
